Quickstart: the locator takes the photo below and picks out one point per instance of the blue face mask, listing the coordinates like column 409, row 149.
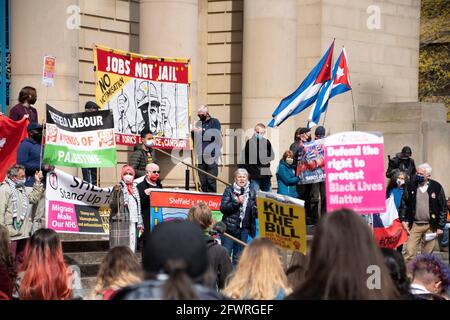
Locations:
column 420, row 179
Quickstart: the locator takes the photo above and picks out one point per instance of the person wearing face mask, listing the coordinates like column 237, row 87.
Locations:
column 286, row 178
column 14, row 203
column 403, row 162
column 27, row 98
column 424, row 207
column 151, row 181
column 207, row 144
column 125, row 224
column 143, row 154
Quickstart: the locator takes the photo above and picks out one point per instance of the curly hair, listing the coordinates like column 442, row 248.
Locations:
column 431, row 264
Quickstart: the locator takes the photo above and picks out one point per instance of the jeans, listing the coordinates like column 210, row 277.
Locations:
column 444, row 242
column 262, row 184
column 90, row 175
column 235, row 249
column 208, row 184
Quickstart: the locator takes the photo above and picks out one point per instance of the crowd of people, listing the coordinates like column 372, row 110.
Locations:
column 189, row 260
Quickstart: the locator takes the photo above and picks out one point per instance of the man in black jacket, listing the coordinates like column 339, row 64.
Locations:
column 424, row 208
column 402, row 162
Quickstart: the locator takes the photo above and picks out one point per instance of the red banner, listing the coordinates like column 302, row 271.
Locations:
column 184, row 200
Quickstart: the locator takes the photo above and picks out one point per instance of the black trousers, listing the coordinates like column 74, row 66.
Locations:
column 318, row 197
column 304, row 192
column 208, row 184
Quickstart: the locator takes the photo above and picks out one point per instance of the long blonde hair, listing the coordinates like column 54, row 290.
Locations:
column 259, row 274
column 120, row 268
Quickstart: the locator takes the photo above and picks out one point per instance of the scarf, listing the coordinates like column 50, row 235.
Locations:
column 131, row 189
column 17, row 223
column 243, row 207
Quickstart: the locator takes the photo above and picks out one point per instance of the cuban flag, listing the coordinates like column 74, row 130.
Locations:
column 387, row 228
column 306, row 93
column 338, row 84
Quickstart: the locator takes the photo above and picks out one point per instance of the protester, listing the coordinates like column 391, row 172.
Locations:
column 90, row 174
column 44, row 275
column 340, row 262
column 403, row 162
column 143, row 154
column 318, row 194
column 430, row 277
column 7, row 270
column 14, row 213
column 296, row 272
column 259, row 274
column 27, row 98
column 443, row 244
column 119, row 269
column 207, row 144
column 126, row 223
column 299, row 133
column 396, row 265
column 151, row 181
column 286, row 178
column 220, row 266
column 258, row 154
column 175, row 261
column 239, row 212
column 425, row 205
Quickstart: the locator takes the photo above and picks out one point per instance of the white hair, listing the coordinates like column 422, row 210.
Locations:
column 426, row 167
column 151, row 166
column 203, row 109
column 241, row 171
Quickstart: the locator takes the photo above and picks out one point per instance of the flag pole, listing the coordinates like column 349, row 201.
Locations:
column 331, row 76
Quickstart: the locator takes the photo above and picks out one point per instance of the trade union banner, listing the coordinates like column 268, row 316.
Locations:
column 84, row 139
column 144, row 92
column 75, row 206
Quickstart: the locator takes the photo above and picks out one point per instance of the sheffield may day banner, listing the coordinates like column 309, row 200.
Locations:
column 144, row 93
column 75, row 206
column 173, row 204
column 310, row 164
column 282, row 220
column 354, row 163
column 83, row 139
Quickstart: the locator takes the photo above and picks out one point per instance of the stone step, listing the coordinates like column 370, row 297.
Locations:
column 85, row 245
column 81, row 258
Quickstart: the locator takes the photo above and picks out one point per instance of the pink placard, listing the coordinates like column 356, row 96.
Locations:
column 62, row 217
column 355, row 173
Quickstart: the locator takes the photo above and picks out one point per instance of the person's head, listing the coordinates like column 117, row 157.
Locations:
column 241, row 177
column 260, row 130
column 91, row 106
column 259, row 274
column 28, row 95
column 147, row 138
column 127, row 174
column 405, row 153
column 152, row 172
column 297, row 134
column 176, row 248
column 305, row 134
column 203, row 112
column 399, row 179
column 429, row 271
column 423, row 173
column 397, row 268
column 201, row 215
column 319, row 133
column 35, row 131
column 119, row 268
column 342, row 254
column 45, row 273
column 296, row 271
column 17, row 174
column 288, row 156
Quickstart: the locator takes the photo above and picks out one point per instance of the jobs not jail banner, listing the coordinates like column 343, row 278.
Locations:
column 144, row 93
column 83, row 139
column 75, row 206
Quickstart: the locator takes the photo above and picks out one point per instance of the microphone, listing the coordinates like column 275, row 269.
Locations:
column 242, row 191
column 221, row 229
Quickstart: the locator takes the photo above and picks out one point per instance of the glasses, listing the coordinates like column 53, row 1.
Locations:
column 158, row 172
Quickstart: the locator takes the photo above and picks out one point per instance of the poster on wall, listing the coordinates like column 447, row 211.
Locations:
column 48, row 71
column 144, row 92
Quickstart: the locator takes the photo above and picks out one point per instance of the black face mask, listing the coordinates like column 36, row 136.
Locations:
column 37, row 137
column 309, row 139
column 202, row 117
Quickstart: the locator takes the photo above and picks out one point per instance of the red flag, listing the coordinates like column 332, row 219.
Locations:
column 11, row 134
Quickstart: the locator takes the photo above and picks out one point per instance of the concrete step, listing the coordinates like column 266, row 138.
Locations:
column 85, row 245
column 81, row 258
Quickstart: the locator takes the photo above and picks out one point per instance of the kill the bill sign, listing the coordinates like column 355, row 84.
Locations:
column 144, row 92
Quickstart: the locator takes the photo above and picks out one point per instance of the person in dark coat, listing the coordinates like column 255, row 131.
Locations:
column 27, row 98
column 318, row 193
column 143, row 154
column 402, row 162
column 286, row 178
column 220, row 266
column 90, row 174
column 239, row 213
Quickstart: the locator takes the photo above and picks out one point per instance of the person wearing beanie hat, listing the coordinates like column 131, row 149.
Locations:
column 402, row 162
column 319, row 132
column 175, row 261
column 126, row 223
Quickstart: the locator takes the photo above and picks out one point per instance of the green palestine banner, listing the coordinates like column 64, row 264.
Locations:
column 84, row 139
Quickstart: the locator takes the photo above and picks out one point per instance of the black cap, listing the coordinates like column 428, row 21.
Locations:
column 406, row 152
column 176, row 240
column 91, row 105
column 34, row 126
column 304, row 130
column 320, row 131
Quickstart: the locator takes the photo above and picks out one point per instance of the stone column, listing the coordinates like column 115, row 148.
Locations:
column 269, row 66
column 169, row 28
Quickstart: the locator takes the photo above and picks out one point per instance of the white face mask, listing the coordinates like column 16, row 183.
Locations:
column 128, row 178
column 20, row 182
column 400, row 182
column 149, row 143
column 289, row 160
